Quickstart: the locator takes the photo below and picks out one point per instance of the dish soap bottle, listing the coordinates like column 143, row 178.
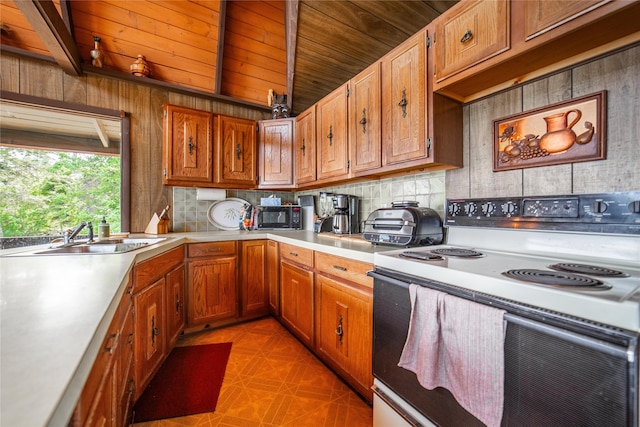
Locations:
column 103, row 229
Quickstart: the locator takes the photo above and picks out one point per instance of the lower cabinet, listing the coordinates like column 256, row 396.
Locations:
column 254, row 292
column 296, row 291
column 107, row 395
column 211, row 272
column 154, row 299
column 273, row 277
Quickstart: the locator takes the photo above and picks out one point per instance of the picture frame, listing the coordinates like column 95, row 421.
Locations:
column 566, row 132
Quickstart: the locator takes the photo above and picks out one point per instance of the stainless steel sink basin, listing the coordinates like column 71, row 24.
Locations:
column 112, row 246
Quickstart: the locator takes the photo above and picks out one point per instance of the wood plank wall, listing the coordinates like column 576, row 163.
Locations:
column 254, row 50
column 143, row 102
column 620, row 171
column 178, row 39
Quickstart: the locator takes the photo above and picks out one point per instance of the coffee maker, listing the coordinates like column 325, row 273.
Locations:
column 345, row 216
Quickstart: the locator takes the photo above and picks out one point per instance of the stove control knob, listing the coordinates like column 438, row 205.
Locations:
column 509, row 208
column 488, row 208
column 634, row 207
column 454, row 209
column 599, row 207
column 470, row 208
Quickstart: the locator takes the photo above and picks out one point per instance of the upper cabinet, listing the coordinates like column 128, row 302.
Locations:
column 485, row 46
column 275, row 146
column 364, row 120
column 477, row 30
column 187, row 147
column 236, row 151
column 305, row 147
column 332, row 135
column 403, row 102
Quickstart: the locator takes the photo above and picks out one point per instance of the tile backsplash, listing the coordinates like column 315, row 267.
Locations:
column 428, row 189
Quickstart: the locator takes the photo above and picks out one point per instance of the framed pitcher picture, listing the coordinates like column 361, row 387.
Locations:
column 566, row 132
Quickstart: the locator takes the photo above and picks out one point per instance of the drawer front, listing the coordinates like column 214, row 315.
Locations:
column 209, row 249
column 296, row 254
column 344, row 268
column 147, row 272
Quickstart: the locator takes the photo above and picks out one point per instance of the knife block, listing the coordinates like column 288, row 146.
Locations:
column 157, row 225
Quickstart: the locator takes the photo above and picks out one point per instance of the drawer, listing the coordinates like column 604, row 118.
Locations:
column 147, row 272
column 209, row 249
column 344, row 268
column 296, row 254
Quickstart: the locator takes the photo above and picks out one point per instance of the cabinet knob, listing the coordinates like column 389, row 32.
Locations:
column 468, row 35
column 363, row 120
column 191, row 145
column 339, row 330
column 330, row 136
column 304, row 147
column 238, row 151
column 403, row 102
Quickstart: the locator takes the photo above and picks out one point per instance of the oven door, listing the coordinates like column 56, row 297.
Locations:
column 558, row 372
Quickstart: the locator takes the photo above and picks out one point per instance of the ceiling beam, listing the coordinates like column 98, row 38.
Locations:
column 291, row 35
column 220, row 52
column 48, row 24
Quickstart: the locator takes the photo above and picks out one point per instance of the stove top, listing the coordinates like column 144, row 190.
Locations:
column 584, row 273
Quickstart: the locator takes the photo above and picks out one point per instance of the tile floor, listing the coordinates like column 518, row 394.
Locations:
column 273, row 380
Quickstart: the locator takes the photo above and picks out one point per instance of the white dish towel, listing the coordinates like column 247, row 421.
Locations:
column 459, row 345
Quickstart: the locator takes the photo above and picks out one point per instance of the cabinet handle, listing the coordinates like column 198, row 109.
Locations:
column 178, row 305
column 130, row 339
column 154, row 331
column 339, row 267
column 191, row 145
column 111, row 343
column 330, row 136
column 238, row 151
column 214, row 250
column 303, row 147
column 403, row 102
column 339, row 331
column 363, row 121
column 468, row 35
column 293, row 254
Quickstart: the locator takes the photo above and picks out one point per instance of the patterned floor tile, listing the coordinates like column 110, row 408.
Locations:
column 273, row 381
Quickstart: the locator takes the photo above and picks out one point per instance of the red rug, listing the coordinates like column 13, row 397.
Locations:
column 187, row 383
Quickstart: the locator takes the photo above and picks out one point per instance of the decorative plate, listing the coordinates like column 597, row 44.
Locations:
column 225, row 214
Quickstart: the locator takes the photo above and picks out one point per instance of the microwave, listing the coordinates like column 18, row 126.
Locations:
column 280, row 217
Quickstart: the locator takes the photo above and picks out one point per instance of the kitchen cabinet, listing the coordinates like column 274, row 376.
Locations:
column 254, row 286
column 403, row 102
column 275, row 145
column 187, row 146
column 297, row 291
column 474, row 32
column 211, row 284
column 273, row 277
column 538, row 38
column 332, row 135
column 305, row 147
column 175, row 307
column 235, row 152
column 106, row 397
column 365, row 128
column 344, row 318
column 151, row 328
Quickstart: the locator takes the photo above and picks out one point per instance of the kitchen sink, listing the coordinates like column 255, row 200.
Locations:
column 111, row 246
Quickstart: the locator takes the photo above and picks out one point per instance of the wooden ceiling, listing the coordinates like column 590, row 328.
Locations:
column 302, row 48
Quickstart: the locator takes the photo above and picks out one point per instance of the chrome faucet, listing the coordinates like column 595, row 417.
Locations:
column 71, row 233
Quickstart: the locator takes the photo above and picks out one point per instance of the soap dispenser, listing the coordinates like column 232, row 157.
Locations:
column 103, row 229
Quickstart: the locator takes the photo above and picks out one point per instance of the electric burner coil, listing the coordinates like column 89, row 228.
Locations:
column 556, row 279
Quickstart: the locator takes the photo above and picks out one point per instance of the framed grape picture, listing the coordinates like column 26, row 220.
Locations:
column 566, row 132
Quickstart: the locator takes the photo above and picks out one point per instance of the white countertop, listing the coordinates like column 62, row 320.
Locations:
column 55, row 311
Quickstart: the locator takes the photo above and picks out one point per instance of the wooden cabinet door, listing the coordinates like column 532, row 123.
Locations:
column 254, row 278
column 211, row 290
column 125, row 380
column 403, row 102
column 175, row 305
column 296, row 300
column 149, row 334
column 344, row 333
column 305, row 146
column 276, row 153
column 469, row 34
column 365, row 138
column 542, row 16
column 187, row 146
column 236, row 151
column 273, row 277
column 331, row 135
